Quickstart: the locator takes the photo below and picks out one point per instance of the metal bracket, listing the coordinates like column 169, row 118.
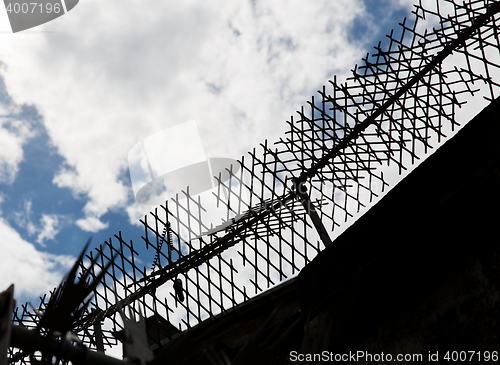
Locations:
column 135, row 342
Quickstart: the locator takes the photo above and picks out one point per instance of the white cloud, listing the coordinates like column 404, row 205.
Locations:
column 32, row 272
column 23, row 217
column 115, row 72
column 14, row 134
column 91, row 224
column 11, row 154
column 48, row 226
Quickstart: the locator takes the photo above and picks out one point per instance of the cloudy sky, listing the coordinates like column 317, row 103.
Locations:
column 77, row 93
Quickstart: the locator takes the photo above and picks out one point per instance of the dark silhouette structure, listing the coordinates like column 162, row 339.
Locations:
column 272, row 282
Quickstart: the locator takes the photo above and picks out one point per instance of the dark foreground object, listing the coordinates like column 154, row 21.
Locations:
column 418, row 274
column 420, row 271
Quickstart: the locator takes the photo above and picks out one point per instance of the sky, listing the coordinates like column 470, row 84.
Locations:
column 77, row 93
